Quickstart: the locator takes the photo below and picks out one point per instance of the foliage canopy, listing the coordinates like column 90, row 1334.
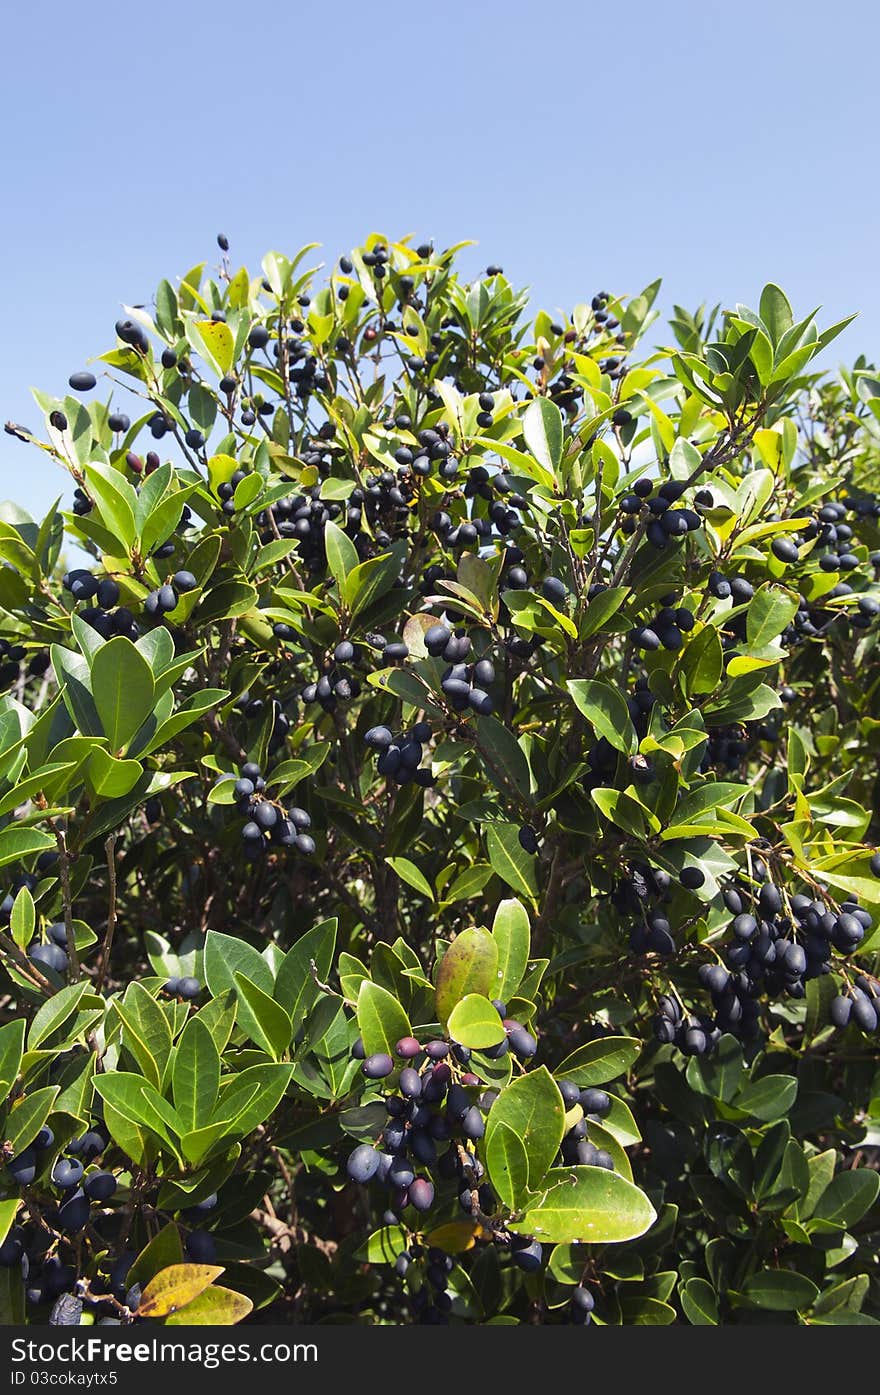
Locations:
column 461, row 714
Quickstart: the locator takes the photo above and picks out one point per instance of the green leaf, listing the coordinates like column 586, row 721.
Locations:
column 140, row 1103
column 116, row 500
column 218, row 1015
column 512, row 935
column 11, row 1051
column 599, row 1061
column 768, row 1098
column 381, row 1019
column 111, row 778
column 269, row 1023
column 588, row 1204
column 289, row 773
column 775, row 312
column 251, row 1097
column 342, row 554
column 645, row 1311
column 52, row 1014
column 605, row 709
column 699, row 1303
column 504, row 756
column 383, row 1246
column 295, row 987
column 370, row 580
column 850, row 1293
column 770, row 611
column 468, row 883
column 72, row 671
column 532, row 1107
column 470, row 965
column 508, row 1165
column 195, row 1077
column 27, row 1116
column 719, row 1075
column 122, row 687
column 844, row 1317
column 510, row 860
column 146, row 1031
column 543, row 433
column 702, row 662
column 620, row 1123
column 409, row 873
column 226, row 956
column 23, row 919
column 165, row 1248
column 780, row 1290
column 474, row 1022
column 848, row 1196
column 17, row 843
column 192, row 710
column 626, row 811
column 602, row 608
column 7, row 1216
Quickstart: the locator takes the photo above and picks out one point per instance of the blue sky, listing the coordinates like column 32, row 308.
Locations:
column 716, row 145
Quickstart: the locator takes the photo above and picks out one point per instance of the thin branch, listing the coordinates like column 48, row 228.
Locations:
column 25, row 966
column 110, row 850
column 73, row 971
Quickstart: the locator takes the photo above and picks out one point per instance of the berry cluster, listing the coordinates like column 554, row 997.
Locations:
column 303, row 517
column 107, row 617
column 337, row 683
column 78, row 1189
column 668, row 628
column 576, row 1147
column 12, row 655
column 860, row 1004
column 834, row 537
column 400, row 758
column 464, row 684
column 51, row 953
column 436, row 1117
column 438, row 1101
column 165, row 598
column 186, row 988
column 653, row 508
column 694, row 1034
column 778, row 944
column 267, row 821
column 501, row 515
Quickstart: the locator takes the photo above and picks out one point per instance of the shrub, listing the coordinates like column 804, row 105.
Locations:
column 437, row 824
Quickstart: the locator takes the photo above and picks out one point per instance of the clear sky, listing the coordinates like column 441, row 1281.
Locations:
column 716, row 145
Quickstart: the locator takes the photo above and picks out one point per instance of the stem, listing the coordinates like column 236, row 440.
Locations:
column 73, row 971
column 25, row 967
column 110, row 850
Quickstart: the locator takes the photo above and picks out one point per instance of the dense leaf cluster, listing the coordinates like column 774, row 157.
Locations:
column 438, row 815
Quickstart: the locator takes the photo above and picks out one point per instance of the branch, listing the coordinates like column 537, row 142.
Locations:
column 110, row 849
column 25, row 967
column 73, row 971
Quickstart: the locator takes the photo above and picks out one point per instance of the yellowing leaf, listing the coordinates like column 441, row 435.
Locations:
column 453, row 1237
column 174, row 1287
column 218, row 343
column 214, row 1307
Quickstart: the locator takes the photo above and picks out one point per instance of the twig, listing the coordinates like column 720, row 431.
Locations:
column 110, row 850
column 64, row 870
column 324, row 987
column 25, row 967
